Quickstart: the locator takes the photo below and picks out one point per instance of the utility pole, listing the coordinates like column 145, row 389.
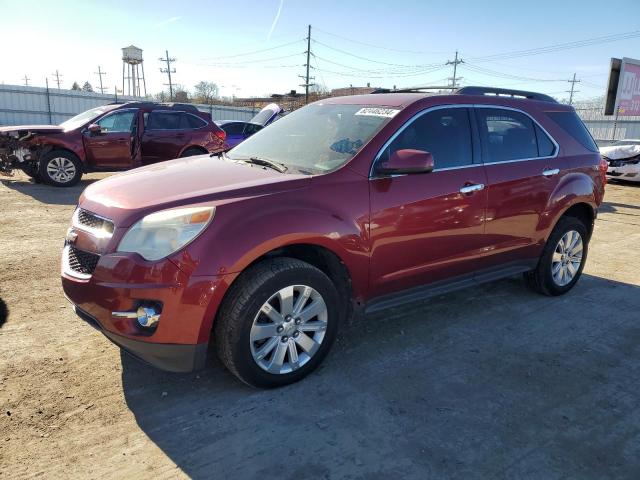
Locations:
column 58, row 81
column 168, row 71
column 572, row 91
column 307, row 78
column 454, row 79
column 26, row 80
column 100, row 73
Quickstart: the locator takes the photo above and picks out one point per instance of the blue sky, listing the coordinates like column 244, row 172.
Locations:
column 401, row 43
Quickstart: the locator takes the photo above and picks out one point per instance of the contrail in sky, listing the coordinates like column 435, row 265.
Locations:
column 275, row 20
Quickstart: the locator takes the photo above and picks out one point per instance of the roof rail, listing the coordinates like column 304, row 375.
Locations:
column 187, row 107
column 505, row 92
column 409, row 90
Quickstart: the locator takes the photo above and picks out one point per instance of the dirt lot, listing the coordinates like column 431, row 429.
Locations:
column 496, row 382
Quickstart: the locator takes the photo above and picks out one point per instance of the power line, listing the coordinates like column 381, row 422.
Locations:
column 255, row 51
column 558, row 46
column 418, row 52
column 100, row 73
column 306, row 78
column 455, row 63
column 168, row 71
column 362, row 58
column 247, row 62
column 494, row 73
column 572, row 91
column 58, row 81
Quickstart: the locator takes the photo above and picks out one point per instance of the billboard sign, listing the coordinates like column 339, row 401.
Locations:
column 623, row 91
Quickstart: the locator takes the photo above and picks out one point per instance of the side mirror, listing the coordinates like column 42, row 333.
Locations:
column 407, row 161
column 94, row 128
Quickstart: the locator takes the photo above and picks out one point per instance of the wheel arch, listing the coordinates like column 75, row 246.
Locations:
column 321, row 257
column 193, row 147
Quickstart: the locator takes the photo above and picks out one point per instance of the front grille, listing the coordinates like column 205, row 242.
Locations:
column 82, row 262
column 94, row 222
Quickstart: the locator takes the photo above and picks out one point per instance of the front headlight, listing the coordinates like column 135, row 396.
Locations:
column 161, row 233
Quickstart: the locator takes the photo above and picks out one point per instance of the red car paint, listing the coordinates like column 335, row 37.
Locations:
column 391, row 233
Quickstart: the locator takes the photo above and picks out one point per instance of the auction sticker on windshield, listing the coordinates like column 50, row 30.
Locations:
column 378, row 112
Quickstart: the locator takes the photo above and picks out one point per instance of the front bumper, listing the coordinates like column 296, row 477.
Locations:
column 168, row 357
column 629, row 171
column 121, row 282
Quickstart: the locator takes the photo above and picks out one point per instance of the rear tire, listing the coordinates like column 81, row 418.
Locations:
column 192, row 152
column 268, row 338
column 60, row 168
column 562, row 260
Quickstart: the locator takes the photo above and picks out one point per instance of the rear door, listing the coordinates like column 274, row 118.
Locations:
column 429, row 227
column 165, row 135
column 523, row 169
column 112, row 147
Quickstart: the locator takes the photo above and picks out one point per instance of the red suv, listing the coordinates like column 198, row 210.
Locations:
column 111, row 137
column 349, row 204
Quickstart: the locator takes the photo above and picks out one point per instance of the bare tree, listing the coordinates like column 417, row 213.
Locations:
column 206, row 92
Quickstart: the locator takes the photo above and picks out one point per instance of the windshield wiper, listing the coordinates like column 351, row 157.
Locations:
column 265, row 162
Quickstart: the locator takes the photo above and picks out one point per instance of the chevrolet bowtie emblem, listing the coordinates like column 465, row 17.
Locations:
column 72, row 235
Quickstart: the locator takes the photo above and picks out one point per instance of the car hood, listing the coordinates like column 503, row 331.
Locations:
column 618, row 152
column 33, row 128
column 267, row 115
column 127, row 196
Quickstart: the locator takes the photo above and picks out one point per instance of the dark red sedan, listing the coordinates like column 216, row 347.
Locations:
column 108, row 138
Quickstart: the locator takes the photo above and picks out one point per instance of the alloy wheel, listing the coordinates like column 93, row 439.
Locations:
column 61, row 169
column 288, row 329
column 567, row 258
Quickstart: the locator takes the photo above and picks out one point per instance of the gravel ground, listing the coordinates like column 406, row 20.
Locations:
column 493, row 382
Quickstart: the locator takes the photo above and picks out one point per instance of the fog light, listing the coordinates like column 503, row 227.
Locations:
column 147, row 316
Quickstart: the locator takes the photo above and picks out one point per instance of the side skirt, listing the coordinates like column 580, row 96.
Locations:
column 423, row 292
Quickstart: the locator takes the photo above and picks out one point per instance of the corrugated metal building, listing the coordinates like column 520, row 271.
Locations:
column 20, row 105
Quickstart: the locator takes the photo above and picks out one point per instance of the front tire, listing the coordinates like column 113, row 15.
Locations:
column 562, row 260
column 60, row 168
column 277, row 322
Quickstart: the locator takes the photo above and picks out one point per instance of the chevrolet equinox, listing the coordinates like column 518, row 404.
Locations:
column 349, row 204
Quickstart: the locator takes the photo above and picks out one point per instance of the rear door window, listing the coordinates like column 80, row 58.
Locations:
column 159, row 120
column 506, row 135
column 571, row 123
column 192, row 121
column 444, row 132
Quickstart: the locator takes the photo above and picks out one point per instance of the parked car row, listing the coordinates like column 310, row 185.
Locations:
column 350, row 204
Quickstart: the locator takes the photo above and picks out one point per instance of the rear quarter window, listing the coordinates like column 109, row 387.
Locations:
column 571, row 123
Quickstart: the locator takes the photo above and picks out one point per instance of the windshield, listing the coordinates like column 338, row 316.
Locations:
column 83, row 118
column 317, row 138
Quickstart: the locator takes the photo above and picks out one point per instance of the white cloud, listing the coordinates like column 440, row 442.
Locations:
column 167, row 21
column 275, row 20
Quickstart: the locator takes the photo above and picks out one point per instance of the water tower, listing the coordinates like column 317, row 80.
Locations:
column 131, row 66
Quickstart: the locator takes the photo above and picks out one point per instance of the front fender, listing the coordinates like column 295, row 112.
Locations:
column 332, row 216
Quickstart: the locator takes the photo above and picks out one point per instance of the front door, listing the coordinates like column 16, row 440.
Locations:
column 522, row 172
column 429, row 227
column 112, row 146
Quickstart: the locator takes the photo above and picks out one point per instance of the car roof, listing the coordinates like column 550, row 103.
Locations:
column 404, row 99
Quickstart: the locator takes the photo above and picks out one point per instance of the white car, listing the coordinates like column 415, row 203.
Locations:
column 623, row 158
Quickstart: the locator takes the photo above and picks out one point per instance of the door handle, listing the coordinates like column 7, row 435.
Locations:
column 550, row 172
column 475, row 187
